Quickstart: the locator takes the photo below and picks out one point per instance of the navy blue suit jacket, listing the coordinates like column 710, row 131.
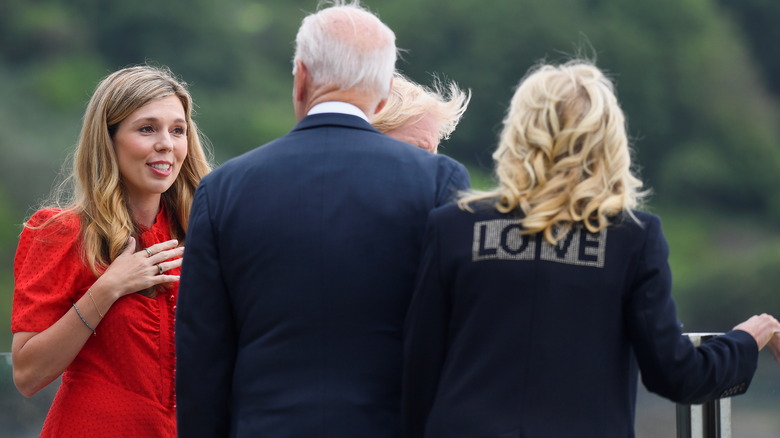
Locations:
column 298, row 270
column 509, row 336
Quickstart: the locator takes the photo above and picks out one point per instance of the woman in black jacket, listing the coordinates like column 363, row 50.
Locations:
column 538, row 302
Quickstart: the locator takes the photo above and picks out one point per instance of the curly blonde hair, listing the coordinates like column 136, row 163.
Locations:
column 563, row 155
column 94, row 190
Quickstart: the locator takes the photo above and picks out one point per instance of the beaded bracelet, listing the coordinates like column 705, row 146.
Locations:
column 94, row 333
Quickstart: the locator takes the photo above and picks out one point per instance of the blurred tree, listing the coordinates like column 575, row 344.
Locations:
column 486, row 49
column 732, row 291
column 758, row 21
column 704, row 128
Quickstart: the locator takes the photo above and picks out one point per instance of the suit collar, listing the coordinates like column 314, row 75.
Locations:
column 338, row 107
column 333, row 119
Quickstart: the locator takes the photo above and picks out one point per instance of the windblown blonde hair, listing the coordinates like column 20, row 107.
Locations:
column 94, row 190
column 563, row 155
column 409, row 102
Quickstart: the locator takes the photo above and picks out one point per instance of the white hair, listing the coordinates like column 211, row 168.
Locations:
column 347, row 46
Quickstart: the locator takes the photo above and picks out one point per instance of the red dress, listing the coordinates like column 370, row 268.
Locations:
column 121, row 382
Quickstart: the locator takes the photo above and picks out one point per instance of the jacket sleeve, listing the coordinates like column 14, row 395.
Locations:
column 205, row 335
column 425, row 340
column 670, row 364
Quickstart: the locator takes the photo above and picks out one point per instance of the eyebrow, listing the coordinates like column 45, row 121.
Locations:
column 155, row 119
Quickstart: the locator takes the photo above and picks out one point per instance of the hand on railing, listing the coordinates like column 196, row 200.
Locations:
column 765, row 329
column 774, row 345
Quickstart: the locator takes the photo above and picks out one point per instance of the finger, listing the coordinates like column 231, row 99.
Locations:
column 175, row 263
column 162, row 246
column 167, row 254
column 774, row 347
column 162, row 279
column 130, row 246
column 168, row 244
column 166, row 266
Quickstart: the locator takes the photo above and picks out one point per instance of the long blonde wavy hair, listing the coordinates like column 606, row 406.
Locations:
column 563, row 155
column 94, row 190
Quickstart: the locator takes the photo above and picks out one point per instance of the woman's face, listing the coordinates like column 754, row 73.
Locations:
column 151, row 145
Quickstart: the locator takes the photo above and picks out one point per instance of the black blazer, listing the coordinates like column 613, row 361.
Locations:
column 298, row 270
column 509, row 336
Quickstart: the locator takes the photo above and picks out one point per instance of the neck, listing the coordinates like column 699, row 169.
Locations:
column 307, row 93
column 367, row 104
column 145, row 212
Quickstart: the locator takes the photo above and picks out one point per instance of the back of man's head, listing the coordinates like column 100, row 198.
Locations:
column 346, row 46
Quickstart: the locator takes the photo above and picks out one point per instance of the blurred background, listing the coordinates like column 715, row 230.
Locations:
column 699, row 81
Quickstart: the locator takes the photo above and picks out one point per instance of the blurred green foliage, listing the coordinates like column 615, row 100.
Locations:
column 698, row 80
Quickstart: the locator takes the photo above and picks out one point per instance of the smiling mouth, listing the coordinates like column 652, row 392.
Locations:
column 160, row 166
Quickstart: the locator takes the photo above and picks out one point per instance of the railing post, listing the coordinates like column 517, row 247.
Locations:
column 708, row 420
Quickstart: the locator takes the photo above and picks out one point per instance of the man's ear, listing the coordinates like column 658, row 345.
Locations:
column 299, row 84
column 380, row 105
column 383, row 102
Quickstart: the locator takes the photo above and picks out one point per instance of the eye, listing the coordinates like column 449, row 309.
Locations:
column 179, row 131
column 146, row 129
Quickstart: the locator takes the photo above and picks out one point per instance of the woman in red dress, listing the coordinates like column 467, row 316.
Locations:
column 96, row 280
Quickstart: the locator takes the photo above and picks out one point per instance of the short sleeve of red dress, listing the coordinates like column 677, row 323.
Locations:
column 48, row 271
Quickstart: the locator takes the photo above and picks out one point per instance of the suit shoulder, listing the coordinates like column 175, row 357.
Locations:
column 443, row 161
column 453, row 174
column 240, row 163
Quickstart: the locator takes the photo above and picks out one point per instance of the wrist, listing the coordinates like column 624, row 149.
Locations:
column 102, row 296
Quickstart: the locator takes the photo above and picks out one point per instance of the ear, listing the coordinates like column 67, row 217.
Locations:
column 380, row 105
column 383, row 102
column 299, row 84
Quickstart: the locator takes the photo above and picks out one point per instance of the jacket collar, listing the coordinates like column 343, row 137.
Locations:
column 338, row 107
column 333, row 119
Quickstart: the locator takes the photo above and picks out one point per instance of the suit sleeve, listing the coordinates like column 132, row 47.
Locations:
column 205, row 335
column 425, row 340
column 671, row 365
column 453, row 178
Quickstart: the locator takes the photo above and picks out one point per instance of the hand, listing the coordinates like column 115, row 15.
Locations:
column 774, row 346
column 132, row 271
column 765, row 329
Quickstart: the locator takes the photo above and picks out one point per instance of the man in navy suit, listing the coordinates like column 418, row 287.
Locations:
column 301, row 256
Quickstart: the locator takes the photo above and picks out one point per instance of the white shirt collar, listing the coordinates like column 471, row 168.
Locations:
column 338, row 107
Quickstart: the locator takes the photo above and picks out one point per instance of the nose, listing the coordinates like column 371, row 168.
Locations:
column 164, row 142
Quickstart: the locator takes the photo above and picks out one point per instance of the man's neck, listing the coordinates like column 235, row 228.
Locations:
column 365, row 102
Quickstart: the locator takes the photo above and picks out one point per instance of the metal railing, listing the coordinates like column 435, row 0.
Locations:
column 709, row 420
